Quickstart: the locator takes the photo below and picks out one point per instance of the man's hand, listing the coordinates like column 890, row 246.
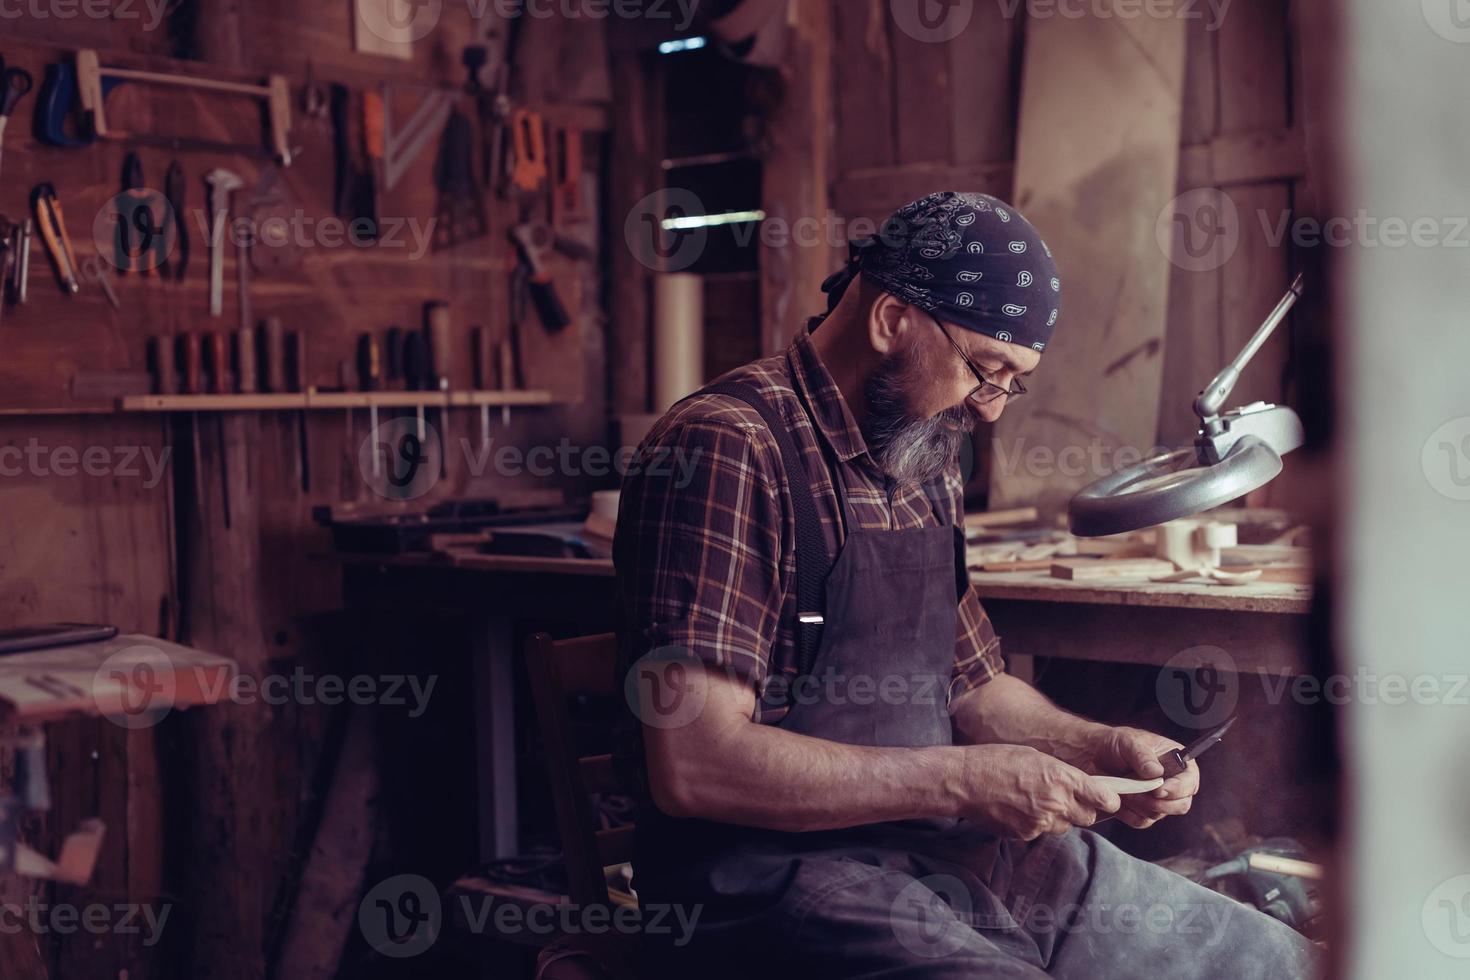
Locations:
column 1019, row 792
column 1134, row 752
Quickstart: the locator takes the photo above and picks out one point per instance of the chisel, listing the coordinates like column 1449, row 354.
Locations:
column 436, row 324
column 298, row 383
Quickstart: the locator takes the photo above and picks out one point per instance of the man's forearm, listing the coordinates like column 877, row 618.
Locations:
column 1008, row 710
column 763, row 776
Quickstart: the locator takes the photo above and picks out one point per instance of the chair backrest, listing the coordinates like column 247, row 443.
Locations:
column 561, row 670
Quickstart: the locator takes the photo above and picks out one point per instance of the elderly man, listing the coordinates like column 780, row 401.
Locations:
column 841, row 778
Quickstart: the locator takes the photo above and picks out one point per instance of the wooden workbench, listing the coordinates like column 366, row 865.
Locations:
column 1260, row 626
column 129, row 675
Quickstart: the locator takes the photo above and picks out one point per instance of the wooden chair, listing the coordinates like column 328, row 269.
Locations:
column 560, row 671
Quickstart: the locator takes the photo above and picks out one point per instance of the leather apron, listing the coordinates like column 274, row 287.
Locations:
column 881, row 676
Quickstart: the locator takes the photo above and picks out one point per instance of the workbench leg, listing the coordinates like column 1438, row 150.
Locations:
column 495, row 739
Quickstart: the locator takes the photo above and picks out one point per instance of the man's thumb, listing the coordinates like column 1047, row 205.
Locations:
column 1143, row 758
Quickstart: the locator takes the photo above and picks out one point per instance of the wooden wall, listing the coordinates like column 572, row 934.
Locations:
column 912, row 116
column 202, row 810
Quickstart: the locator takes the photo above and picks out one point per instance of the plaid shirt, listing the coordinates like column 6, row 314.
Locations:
column 705, row 548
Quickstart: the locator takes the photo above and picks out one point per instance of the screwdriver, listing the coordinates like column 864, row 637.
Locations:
column 20, row 282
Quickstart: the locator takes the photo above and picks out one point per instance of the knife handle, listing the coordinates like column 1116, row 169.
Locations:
column 1173, row 762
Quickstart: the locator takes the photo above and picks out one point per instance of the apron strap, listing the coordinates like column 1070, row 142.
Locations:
column 812, row 561
column 961, row 551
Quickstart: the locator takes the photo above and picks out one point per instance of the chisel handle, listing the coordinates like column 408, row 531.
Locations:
column 437, row 327
column 217, row 346
column 161, row 359
column 246, row 365
column 275, row 355
column 193, row 381
column 369, row 362
column 298, row 373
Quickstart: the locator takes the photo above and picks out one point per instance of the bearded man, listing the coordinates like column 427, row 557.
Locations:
column 841, row 779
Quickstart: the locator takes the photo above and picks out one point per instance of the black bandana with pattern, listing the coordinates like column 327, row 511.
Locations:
column 969, row 259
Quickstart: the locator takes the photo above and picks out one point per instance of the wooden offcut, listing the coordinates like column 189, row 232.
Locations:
column 1093, row 568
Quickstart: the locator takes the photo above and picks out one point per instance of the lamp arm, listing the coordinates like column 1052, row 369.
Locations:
column 1208, row 402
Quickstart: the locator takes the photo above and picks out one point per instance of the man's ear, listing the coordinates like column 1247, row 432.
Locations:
column 888, row 319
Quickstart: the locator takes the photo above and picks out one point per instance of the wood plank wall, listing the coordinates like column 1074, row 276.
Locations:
column 201, row 811
column 912, row 116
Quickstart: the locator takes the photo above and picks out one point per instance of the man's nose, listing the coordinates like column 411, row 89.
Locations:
column 987, row 411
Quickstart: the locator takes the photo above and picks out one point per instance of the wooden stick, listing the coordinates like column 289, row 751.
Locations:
column 999, row 518
column 1081, row 569
column 1019, row 565
column 1286, row 866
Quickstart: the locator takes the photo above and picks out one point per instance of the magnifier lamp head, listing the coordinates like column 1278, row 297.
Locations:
column 1170, row 486
column 1236, row 452
column 1239, row 452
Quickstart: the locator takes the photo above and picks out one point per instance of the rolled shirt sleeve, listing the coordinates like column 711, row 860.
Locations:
column 977, row 656
column 699, row 547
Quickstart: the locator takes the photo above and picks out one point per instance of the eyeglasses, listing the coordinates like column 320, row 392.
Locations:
column 995, row 390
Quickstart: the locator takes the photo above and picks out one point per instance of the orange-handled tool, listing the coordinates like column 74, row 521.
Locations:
column 52, row 224
column 568, row 192
column 372, row 125
column 528, row 133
